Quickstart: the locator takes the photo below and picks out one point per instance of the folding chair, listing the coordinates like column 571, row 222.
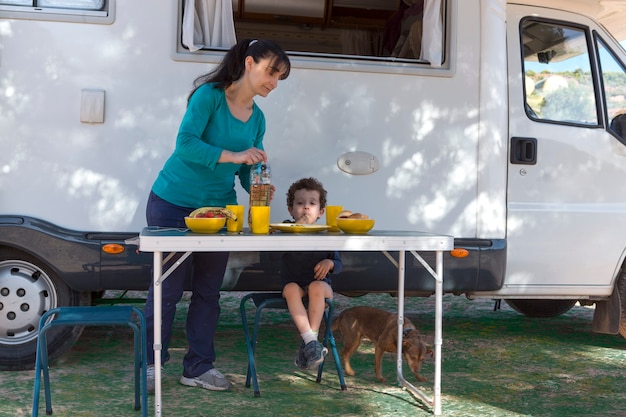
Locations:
column 91, row 316
column 276, row 301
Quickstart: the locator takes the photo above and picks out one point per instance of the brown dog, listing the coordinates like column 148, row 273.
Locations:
column 381, row 327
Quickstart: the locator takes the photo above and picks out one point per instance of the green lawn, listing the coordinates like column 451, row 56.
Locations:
column 495, row 363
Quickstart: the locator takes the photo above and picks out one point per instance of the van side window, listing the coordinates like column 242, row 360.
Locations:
column 557, row 70
column 614, row 85
column 83, row 11
column 399, row 31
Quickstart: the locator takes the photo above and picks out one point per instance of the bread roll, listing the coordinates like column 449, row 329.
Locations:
column 345, row 214
column 358, row 216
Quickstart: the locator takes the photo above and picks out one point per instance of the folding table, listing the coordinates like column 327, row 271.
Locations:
column 162, row 241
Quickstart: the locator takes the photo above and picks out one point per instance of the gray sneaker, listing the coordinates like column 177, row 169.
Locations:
column 211, row 379
column 150, row 378
column 301, row 361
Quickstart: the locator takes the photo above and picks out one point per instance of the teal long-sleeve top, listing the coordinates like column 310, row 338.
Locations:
column 192, row 177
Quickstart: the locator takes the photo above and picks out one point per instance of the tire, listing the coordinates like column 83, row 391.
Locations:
column 541, row 308
column 621, row 287
column 29, row 288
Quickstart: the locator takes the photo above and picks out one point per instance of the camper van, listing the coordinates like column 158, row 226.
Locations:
column 501, row 123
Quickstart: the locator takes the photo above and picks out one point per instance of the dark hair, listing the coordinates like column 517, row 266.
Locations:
column 232, row 66
column 310, row 184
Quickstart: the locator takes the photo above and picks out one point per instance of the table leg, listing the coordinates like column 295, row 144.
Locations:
column 401, row 279
column 157, row 302
column 438, row 276
column 438, row 331
column 401, row 380
column 159, row 277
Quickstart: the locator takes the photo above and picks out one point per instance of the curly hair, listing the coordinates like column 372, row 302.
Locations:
column 310, row 184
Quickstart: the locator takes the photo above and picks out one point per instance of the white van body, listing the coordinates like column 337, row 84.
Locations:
column 441, row 135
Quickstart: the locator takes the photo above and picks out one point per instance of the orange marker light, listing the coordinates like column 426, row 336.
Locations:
column 459, row 253
column 113, row 248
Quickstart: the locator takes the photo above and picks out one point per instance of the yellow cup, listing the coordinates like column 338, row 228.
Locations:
column 235, row 226
column 260, row 219
column 331, row 217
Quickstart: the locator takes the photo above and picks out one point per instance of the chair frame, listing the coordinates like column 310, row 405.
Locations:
column 92, row 316
column 275, row 300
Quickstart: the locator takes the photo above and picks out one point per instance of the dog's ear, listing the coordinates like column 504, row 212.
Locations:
column 410, row 332
column 429, row 351
column 405, row 343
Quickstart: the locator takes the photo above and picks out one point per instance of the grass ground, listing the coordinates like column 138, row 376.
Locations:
column 495, row 363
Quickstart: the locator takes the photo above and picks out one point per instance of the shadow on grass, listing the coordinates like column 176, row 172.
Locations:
column 495, row 363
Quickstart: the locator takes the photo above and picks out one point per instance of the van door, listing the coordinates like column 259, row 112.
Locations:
column 566, row 190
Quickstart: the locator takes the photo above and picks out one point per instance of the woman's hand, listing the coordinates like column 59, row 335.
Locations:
column 250, row 156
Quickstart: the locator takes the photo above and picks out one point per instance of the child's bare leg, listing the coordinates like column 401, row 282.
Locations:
column 318, row 291
column 293, row 293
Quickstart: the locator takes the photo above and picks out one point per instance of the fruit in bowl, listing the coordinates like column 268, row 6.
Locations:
column 354, row 223
column 208, row 219
column 212, row 212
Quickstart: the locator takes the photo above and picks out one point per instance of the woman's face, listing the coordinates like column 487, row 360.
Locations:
column 306, row 207
column 264, row 75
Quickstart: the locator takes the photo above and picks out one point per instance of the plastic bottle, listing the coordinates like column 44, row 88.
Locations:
column 260, row 180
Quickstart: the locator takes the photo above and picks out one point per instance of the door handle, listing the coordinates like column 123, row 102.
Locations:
column 523, row 151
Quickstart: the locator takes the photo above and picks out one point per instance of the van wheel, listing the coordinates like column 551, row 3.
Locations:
column 541, row 308
column 29, row 288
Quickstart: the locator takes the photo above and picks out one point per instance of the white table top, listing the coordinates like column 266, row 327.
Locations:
column 153, row 239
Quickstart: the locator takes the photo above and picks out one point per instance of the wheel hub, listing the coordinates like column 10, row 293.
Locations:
column 26, row 292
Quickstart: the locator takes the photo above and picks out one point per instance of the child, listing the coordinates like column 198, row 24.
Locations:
column 306, row 274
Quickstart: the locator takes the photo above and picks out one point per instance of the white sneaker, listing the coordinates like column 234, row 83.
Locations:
column 211, row 379
column 150, row 378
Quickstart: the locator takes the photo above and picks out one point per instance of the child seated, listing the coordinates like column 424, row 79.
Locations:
column 306, row 274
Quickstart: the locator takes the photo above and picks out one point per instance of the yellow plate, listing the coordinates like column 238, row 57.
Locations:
column 299, row 228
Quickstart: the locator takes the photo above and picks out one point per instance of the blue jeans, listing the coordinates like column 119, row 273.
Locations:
column 206, row 272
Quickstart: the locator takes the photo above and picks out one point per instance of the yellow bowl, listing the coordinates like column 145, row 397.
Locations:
column 205, row 224
column 355, row 226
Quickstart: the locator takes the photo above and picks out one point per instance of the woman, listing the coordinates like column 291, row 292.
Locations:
column 221, row 134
